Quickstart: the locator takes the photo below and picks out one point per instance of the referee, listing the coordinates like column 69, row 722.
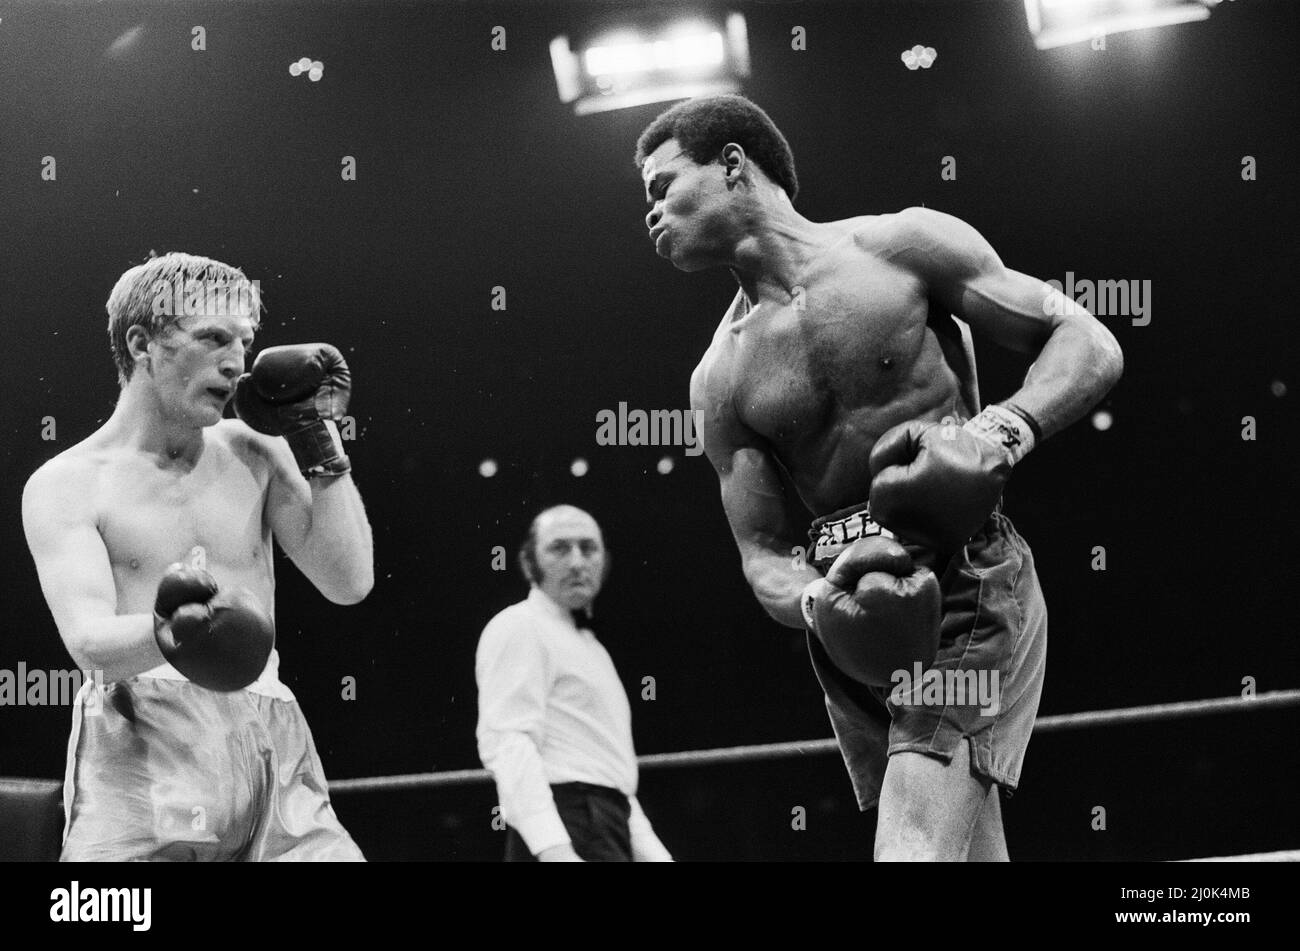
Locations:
column 554, row 725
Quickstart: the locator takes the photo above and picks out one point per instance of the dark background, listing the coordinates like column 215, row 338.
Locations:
column 1117, row 164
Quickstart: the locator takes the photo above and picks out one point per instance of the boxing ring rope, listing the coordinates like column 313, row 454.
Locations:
column 1292, row 855
column 48, row 790
column 1273, row 700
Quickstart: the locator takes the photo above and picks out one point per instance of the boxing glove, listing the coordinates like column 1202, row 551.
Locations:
column 875, row 612
column 936, row 484
column 299, row 392
column 219, row 640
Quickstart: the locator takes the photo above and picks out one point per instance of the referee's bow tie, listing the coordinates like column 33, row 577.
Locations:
column 583, row 619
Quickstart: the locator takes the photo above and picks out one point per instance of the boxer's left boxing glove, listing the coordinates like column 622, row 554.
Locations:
column 219, row 640
column 935, row 483
column 875, row 612
column 299, row 392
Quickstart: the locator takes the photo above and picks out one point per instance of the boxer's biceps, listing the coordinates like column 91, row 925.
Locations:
column 288, row 501
column 72, row 561
column 757, row 508
column 962, row 271
column 1010, row 308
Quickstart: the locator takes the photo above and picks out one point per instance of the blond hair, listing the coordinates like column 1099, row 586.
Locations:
column 144, row 297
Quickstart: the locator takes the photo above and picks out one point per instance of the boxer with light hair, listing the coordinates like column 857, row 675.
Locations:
column 153, row 538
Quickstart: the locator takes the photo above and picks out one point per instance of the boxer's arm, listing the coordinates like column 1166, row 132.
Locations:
column 757, row 507
column 1077, row 360
column 77, row 577
column 320, row 523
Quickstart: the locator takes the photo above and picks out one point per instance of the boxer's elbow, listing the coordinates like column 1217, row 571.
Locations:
column 86, row 642
column 1110, row 359
column 80, row 646
column 366, row 584
column 353, row 593
column 352, row 588
column 784, row 612
column 771, row 584
column 91, row 654
column 346, row 599
column 1105, row 358
column 756, row 572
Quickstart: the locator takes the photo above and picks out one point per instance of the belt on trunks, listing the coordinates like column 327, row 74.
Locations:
column 831, row 534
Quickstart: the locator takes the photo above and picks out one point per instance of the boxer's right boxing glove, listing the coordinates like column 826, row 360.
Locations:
column 219, row 640
column 936, row 483
column 300, row 392
column 875, row 612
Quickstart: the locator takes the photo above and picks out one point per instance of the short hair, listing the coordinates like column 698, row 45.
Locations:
column 528, row 550
column 133, row 298
column 705, row 124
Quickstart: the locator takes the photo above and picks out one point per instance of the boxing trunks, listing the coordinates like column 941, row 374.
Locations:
column 162, row 770
column 986, row 680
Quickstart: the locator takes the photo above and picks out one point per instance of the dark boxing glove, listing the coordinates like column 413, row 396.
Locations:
column 875, row 612
column 935, row 484
column 218, row 640
column 299, row 392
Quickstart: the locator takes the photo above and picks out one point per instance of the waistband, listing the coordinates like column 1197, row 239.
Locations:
column 268, row 684
column 831, row 534
column 591, row 789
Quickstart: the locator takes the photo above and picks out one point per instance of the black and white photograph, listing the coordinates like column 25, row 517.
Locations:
column 746, row 433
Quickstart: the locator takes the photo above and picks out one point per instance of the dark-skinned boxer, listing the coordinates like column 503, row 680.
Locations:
column 152, row 538
column 841, row 382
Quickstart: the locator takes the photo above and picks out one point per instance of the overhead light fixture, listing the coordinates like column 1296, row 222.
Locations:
column 620, row 68
column 1061, row 22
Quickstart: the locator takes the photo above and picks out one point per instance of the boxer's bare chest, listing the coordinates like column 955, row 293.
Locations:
column 823, row 376
column 152, row 515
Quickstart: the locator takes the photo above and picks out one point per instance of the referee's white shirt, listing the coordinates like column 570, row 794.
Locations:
column 551, row 709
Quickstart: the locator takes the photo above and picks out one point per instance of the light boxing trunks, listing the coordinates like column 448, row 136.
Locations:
column 986, row 680
column 162, row 770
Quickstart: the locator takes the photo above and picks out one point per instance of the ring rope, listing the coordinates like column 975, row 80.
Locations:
column 1287, row 855
column 1273, row 700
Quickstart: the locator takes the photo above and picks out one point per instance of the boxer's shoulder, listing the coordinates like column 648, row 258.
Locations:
column 68, row 479
column 916, row 234
column 714, row 366
column 76, row 472
column 711, row 392
column 237, row 436
column 855, row 226
column 256, row 450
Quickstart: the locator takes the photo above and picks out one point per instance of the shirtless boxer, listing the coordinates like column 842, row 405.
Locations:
column 843, row 371
column 152, row 539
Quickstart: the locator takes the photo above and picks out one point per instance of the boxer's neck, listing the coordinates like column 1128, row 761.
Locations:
column 773, row 254
column 142, row 422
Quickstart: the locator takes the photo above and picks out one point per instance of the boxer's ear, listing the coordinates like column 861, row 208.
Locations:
column 137, row 345
column 735, row 162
